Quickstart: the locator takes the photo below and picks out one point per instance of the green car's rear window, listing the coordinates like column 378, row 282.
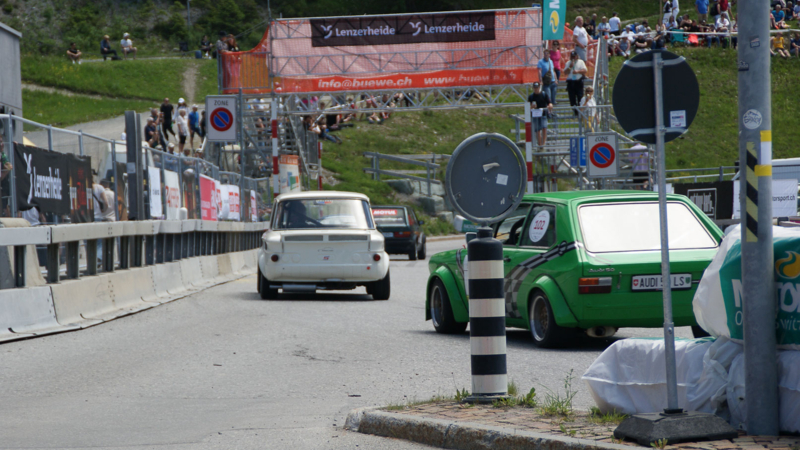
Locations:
column 631, row 227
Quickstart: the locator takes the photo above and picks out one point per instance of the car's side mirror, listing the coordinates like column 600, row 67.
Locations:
column 421, row 222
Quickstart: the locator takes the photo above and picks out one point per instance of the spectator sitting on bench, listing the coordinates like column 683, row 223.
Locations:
column 73, row 53
column 105, row 49
column 127, row 46
column 205, row 47
column 795, row 45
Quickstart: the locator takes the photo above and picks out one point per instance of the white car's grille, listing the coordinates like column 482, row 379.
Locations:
column 347, row 237
column 304, row 238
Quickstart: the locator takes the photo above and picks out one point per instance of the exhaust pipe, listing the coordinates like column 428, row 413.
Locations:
column 299, row 288
column 601, row 331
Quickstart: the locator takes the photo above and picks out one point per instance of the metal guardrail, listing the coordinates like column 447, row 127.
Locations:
column 126, row 244
column 719, row 174
column 376, row 170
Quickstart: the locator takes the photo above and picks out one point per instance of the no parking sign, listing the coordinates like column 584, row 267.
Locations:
column 602, row 155
column 221, row 112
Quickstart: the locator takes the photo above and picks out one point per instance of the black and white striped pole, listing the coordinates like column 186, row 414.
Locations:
column 485, row 181
column 487, row 318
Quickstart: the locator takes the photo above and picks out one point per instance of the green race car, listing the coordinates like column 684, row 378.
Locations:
column 585, row 260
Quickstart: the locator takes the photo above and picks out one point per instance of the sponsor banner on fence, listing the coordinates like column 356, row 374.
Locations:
column 156, row 210
column 406, row 29
column 121, row 190
column 439, row 78
column 208, row 198
column 289, row 173
column 555, row 11
column 784, row 198
column 715, row 198
column 80, row 188
column 230, row 202
column 172, row 190
column 188, row 196
column 41, row 180
column 253, row 207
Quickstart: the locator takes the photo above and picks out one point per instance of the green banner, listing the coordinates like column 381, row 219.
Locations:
column 554, row 14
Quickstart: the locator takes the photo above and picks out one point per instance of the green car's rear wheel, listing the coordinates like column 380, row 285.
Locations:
column 442, row 311
column 545, row 331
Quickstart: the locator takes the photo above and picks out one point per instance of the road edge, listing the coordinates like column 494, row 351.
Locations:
column 462, row 435
column 449, row 237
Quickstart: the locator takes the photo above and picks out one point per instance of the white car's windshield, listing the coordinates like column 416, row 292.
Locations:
column 322, row 213
column 630, row 227
column 389, row 217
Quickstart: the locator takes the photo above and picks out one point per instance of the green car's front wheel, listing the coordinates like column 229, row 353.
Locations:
column 545, row 331
column 442, row 311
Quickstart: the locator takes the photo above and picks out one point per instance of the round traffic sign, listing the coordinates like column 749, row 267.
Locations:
column 486, row 178
column 221, row 119
column 602, row 155
column 634, row 96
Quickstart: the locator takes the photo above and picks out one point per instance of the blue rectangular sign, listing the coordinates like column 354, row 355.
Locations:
column 577, row 152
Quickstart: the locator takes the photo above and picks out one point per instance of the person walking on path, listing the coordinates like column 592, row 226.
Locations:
column 169, row 113
column 183, row 129
column 194, row 126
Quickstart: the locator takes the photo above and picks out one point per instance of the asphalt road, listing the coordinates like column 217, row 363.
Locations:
column 223, row 369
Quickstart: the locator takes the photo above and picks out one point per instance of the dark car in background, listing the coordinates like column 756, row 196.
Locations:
column 401, row 231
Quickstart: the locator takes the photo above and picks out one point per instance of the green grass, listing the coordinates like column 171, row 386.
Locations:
column 206, row 80
column 712, row 139
column 62, row 110
column 140, row 79
column 610, row 418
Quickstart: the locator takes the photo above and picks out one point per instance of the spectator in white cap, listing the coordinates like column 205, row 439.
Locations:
column 181, row 106
column 127, row 46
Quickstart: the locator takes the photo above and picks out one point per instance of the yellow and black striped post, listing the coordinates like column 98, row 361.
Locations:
column 487, row 318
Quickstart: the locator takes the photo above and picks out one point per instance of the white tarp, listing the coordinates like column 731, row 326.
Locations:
column 784, row 198
column 156, row 211
column 630, row 377
column 224, row 209
column 172, row 188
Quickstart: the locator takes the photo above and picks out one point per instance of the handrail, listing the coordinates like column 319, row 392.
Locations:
column 401, row 159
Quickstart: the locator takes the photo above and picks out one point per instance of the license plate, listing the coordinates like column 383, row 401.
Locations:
column 388, row 234
column 655, row 282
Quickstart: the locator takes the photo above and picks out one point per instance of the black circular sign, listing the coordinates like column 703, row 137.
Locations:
column 634, row 96
column 486, row 177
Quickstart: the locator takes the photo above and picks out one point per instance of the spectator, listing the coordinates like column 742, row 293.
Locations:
column 105, row 49
column 221, row 45
column 796, row 11
column 168, row 112
column 205, row 47
column 603, row 28
column 194, row 125
column 641, row 45
column 614, row 24
column 723, row 26
column 676, row 9
column 643, row 27
column 685, row 23
column 183, row 129
column 261, row 129
column 776, row 46
column 795, row 45
column 589, row 110
column 625, row 41
column 576, row 72
column 151, row 133
column 182, row 106
column 107, row 213
column 702, row 9
column 547, row 76
column 5, row 180
column 232, row 45
column 734, row 30
column 73, row 53
column 713, row 11
column 778, row 18
column 580, row 38
column 154, row 114
column 541, row 107
column 667, row 10
column 724, row 7
column 591, row 27
column 127, row 46
column 555, row 56
column 714, row 37
column 203, row 123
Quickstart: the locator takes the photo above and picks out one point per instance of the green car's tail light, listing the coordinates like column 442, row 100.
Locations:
column 402, row 234
column 601, row 285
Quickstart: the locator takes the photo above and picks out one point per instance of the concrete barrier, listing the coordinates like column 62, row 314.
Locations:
column 237, row 262
column 168, row 279
column 224, row 265
column 210, row 268
column 133, row 289
column 85, row 302
column 251, row 259
column 27, row 312
column 192, row 272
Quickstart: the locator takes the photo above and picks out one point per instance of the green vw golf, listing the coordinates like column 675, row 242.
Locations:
column 584, row 261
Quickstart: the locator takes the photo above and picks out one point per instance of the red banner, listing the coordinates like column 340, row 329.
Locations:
column 208, row 206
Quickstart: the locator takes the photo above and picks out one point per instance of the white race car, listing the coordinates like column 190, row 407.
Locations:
column 322, row 240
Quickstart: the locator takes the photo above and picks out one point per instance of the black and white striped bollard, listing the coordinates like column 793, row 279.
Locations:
column 487, row 318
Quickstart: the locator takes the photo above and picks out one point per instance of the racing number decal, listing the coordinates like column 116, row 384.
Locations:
column 539, row 226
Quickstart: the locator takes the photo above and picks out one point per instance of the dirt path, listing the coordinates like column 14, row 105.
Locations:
column 51, row 90
column 190, row 82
